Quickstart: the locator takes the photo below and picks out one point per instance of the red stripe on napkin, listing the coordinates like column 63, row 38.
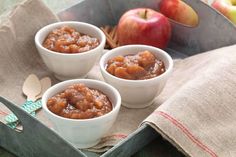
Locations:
column 117, row 136
column 3, row 113
column 187, row 132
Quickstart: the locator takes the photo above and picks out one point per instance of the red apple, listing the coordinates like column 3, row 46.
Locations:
column 179, row 11
column 227, row 8
column 144, row 26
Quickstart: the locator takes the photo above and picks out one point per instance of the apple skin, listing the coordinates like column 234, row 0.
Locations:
column 227, row 8
column 144, row 26
column 179, row 11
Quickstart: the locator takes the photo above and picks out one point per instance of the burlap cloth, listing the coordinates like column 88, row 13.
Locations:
column 195, row 111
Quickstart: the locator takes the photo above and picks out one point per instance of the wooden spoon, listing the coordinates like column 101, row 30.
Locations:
column 45, row 84
column 30, row 82
column 31, row 87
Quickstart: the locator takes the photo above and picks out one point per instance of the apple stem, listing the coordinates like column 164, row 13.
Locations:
column 145, row 14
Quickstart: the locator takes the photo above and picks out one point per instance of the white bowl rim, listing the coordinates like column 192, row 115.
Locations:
column 115, row 107
column 102, row 42
column 107, row 54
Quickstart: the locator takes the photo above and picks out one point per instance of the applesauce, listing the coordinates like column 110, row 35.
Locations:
column 143, row 65
column 79, row 102
column 67, row 40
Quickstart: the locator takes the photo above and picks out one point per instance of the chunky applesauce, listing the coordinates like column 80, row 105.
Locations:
column 79, row 102
column 67, row 40
column 143, row 65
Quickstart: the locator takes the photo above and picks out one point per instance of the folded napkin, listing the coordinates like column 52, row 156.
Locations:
column 196, row 106
column 199, row 118
column 195, row 111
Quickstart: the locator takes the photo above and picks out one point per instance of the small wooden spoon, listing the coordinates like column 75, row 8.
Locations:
column 31, row 87
column 45, row 84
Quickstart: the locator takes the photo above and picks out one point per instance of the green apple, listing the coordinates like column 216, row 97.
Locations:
column 227, row 8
